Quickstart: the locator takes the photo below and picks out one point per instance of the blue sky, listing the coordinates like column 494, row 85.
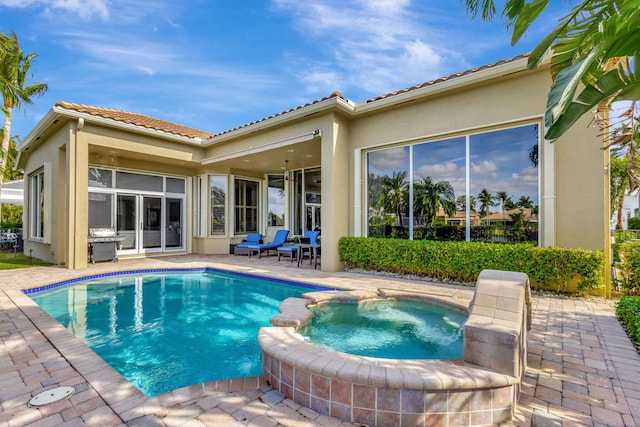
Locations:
column 218, row 64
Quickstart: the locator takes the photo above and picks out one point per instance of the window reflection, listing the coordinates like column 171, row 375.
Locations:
column 217, row 193
column 275, row 201
column 504, row 178
column 503, row 182
column 439, row 179
column 387, row 192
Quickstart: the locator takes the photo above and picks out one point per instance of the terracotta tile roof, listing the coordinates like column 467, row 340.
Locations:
column 334, row 94
column 136, row 119
column 444, row 79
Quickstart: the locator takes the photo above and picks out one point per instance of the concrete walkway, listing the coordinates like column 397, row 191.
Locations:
column 583, row 369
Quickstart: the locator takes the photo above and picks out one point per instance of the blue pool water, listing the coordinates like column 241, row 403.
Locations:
column 163, row 331
column 389, row 329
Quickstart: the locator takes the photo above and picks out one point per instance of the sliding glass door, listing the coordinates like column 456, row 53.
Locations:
column 147, row 222
column 147, row 210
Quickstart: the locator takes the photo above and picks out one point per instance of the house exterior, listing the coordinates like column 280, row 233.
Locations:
column 172, row 189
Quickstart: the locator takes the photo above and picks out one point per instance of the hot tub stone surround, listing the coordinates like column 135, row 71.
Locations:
column 377, row 391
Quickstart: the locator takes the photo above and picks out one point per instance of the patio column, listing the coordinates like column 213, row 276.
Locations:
column 335, row 192
column 77, row 222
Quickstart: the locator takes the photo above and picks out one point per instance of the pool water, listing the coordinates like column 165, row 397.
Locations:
column 389, row 329
column 169, row 330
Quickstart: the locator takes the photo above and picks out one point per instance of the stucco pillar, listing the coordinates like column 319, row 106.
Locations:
column 77, row 199
column 335, row 192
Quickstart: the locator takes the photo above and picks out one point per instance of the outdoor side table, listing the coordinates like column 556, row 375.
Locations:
column 313, row 256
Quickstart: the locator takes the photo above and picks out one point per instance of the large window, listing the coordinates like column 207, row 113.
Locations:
column 246, row 206
column 388, row 192
column 482, row 186
column 36, row 205
column 218, row 195
column 275, row 202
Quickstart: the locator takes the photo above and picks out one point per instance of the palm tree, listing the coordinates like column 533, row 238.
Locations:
column 618, row 187
column 624, row 166
column 14, row 86
column 461, row 201
column 592, row 53
column 504, row 199
column 524, row 202
column 394, row 189
column 486, row 201
column 430, row 196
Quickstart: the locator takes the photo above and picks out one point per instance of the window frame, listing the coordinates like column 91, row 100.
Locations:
column 242, row 231
column 222, row 205
column 37, row 205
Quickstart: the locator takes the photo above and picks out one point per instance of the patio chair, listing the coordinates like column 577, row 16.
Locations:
column 252, row 239
column 309, row 237
column 278, row 240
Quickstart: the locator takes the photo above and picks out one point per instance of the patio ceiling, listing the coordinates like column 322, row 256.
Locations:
column 299, row 155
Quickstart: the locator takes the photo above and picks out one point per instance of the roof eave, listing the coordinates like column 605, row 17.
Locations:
column 329, row 104
column 33, row 136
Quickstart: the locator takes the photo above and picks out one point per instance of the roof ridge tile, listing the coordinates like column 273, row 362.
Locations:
column 136, row 119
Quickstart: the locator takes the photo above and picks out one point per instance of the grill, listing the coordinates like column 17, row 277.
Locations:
column 102, row 244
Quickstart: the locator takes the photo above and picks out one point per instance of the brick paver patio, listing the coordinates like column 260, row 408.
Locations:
column 583, row 369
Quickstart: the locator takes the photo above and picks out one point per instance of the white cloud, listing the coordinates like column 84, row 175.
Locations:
column 385, row 161
column 377, row 46
column 523, row 182
column 437, row 172
column 486, row 168
column 86, row 9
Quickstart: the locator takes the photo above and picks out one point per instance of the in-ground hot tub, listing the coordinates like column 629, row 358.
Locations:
column 480, row 388
column 388, row 327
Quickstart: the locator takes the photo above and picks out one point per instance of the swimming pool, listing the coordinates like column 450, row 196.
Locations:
column 164, row 330
column 393, row 329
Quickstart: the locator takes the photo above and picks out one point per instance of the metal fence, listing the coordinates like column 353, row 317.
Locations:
column 484, row 233
column 11, row 239
column 620, row 236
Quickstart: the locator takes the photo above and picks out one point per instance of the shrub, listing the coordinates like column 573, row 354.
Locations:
column 548, row 268
column 629, row 253
column 628, row 312
column 634, row 223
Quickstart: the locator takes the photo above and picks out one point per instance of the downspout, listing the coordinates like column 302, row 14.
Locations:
column 608, row 250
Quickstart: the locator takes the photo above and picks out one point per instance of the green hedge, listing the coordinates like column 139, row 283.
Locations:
column 628, row 311
column 629, row 254
column 547, row 268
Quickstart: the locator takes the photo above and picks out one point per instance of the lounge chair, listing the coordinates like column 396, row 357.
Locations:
column 252, row 239
column 278, row 240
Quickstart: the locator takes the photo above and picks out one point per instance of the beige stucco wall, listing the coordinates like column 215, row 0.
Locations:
column 52, row 158
column 508, row 100
column 581, row 183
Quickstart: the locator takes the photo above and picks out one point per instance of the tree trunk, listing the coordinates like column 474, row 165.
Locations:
column 619, row 219
column 6, row 137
